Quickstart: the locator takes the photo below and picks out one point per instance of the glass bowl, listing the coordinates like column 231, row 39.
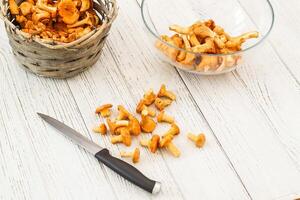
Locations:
column 235, row 16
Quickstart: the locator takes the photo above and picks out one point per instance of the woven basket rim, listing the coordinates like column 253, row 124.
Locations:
column 111, row 16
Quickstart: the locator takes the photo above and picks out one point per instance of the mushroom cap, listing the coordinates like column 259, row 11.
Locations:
column 134, row 126
column 162, row 90
column 103, row 107
column 147, row 124
column 85, row 5
column 125, row 136
column 160, row 116
column 25, row 8
column 136, row 155
column 123, row 113
column 165, row 140
column 162, row 103
column 68, row 11
column 210, row 24
column 200, row 140
column 102, row 129
column 174, row 130
column 140, row 106
column 149, row 97
column 13, row 7
column 154, row 143
column 111, row 125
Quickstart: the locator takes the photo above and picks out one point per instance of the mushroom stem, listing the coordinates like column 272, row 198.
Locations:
column 126, row 154
column 135, row 155
column 173, row 149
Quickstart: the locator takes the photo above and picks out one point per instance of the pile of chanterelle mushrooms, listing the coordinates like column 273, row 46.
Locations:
column 126, row 125
column 201, row 38
column 61, row 20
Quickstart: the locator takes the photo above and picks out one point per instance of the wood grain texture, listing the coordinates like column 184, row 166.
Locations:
column 285, row 35
column 251, row 118
column 122, row 78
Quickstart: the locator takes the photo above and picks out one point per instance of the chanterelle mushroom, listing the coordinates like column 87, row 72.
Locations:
column 43, row 5
column 85, row 5
column 134, row 125
column 147, row 123
column 163, row 117
column 236, row 42
column 152, row 144
column 113, row 125
column 104, row 110
column 13, row 7
column 142, row 106
column 163, row 92
column 123, row 113
column 86, row 21
column 174, row 130
column 198, row 139
column 68, row 11
column 166, row 142
column 124, row 137
column 39, row 15
column 160, row 104
column 149, row 97
column 135, row 155
column 100, row 129
column 25, row 8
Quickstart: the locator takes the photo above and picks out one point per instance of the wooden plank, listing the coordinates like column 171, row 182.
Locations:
column 256, row 127
column 37, row 162
column 125, row 70
column 285, row 35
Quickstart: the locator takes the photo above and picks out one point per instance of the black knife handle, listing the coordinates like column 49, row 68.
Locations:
column 128, row 171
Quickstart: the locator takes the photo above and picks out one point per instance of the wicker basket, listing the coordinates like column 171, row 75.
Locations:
column 56, row 60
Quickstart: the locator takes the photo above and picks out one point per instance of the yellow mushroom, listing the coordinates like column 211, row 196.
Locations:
column 147, row 123
column 113, row 125
column 236, row 42
column 100, row 129
column 86, row 21
column 166, row 142
column 39, row 15
column 174, row 130
column 152, row 144
column 104, row 110
column 43, row 5
column 163, row 117
column 198, row 139
column 25, row 8
column 124, row 137
column 163, row 92
column 123, row 113
column 142, row 106
column 13, row 7
column 161, row 104
column 68, row 11
column 134, row 126
column 135, row 155
column 149, row 97
column 207, row 62
column 85, row 5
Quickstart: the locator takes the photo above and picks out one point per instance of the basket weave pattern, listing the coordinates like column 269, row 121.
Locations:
column 59, row 60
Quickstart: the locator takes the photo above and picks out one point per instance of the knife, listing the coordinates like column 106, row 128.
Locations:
column 102, row 154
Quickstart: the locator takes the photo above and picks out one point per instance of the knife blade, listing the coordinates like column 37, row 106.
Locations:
column 102, row 154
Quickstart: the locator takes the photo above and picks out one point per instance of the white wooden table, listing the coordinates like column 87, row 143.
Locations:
column 251, row 118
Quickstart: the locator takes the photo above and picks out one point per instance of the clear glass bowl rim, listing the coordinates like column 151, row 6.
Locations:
column 191, row 52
